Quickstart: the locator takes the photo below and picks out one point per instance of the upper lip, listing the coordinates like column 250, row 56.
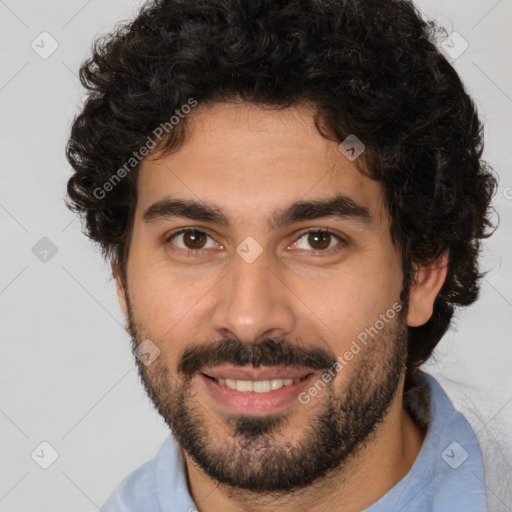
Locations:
column 227, row 371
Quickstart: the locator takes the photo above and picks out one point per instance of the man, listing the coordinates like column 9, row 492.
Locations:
column 292, row 197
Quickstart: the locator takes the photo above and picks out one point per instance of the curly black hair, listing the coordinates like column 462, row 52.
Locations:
column 368, row 67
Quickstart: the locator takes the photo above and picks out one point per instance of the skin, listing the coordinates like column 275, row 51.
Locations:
column 250, row 161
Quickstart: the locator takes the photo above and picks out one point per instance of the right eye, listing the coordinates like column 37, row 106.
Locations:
column 192, row 240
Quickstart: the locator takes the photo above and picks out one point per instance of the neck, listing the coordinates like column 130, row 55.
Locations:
column 369, row 474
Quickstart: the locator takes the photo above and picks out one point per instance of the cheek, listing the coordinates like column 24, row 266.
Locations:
column 350, row 299
column 166, row 302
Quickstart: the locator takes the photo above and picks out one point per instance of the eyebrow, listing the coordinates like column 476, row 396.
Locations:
column 340, row 207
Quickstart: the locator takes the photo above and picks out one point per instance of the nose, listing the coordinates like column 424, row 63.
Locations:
column 253, row 303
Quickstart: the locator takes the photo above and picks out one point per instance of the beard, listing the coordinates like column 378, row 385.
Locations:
column 251, row 454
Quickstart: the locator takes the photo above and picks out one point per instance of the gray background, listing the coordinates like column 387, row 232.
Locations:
column 66, row 372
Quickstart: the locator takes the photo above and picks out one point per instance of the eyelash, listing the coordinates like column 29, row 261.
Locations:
column 199, row 252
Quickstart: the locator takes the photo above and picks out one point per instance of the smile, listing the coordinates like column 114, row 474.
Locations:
column 258, row 386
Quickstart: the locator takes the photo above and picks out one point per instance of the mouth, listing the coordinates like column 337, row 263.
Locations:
column 256, row 386
column 253, row 391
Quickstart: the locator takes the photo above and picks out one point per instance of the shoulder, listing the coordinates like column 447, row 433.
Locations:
column 159, row 484
column 454, row 456
column 138, row 491
column 447, row 475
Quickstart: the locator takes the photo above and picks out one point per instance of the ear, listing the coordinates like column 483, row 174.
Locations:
column 121, row 294
column 426, row 285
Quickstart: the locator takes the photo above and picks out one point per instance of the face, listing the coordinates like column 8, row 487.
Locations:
column 261, row 260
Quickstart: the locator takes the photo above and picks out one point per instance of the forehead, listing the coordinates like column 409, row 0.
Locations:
column 249, row 159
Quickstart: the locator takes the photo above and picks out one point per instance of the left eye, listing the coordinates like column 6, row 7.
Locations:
column 318, row 240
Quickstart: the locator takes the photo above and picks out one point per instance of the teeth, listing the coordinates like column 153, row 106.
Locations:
column 259, row 386
column 243, row 385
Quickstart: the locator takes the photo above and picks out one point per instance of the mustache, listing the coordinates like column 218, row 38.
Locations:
column 267, row 353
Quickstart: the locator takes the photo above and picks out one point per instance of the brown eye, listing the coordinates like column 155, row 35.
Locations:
column 318, row 240
column 192, row 239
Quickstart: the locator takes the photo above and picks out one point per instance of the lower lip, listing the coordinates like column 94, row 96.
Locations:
column 250, row 402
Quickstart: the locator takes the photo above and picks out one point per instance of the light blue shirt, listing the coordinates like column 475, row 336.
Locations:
column 447, row 475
